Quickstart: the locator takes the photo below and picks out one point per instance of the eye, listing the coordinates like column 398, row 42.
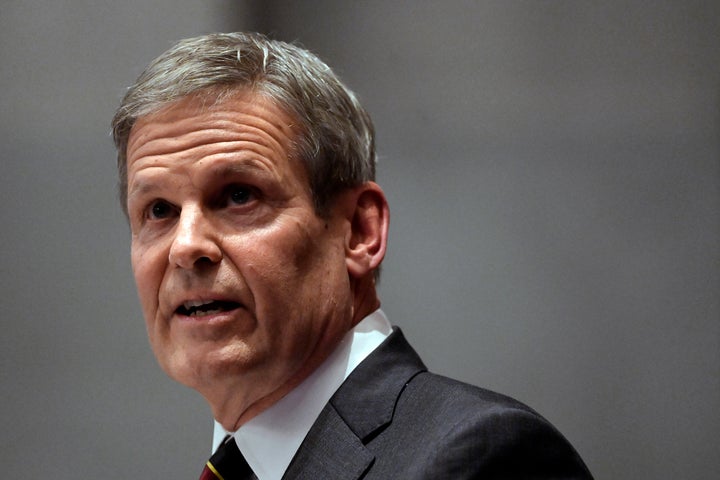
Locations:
column 239, row 194
column 159, row 210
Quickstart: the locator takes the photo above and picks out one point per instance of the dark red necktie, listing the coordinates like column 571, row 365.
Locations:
column 227, row 463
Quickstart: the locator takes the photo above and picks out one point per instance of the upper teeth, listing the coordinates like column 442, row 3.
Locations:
column 196, row 303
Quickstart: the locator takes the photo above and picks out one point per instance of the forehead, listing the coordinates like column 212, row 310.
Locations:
column 244, row 126
column 208, row 117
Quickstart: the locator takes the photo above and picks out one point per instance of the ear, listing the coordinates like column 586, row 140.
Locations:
column 366, row 241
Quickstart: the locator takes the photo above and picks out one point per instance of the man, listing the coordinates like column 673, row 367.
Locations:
column 246, row 172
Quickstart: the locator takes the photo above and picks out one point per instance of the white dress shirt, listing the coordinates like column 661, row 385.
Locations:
column 270, row 440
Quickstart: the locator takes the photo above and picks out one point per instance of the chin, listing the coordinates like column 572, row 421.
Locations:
column 202, row 370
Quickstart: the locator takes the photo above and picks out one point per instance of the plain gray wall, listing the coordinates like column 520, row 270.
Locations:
column 553, row 171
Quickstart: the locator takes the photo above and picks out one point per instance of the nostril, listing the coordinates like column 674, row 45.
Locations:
column 205, row 261
column 195, row 250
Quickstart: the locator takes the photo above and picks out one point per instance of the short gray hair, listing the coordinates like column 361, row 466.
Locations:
column 336, row 141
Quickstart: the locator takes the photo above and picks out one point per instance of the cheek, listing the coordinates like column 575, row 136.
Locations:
column 287, row 269
column 310, row 249
column 278, row 254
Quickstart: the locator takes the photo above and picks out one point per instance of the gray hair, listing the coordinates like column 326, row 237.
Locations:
column 336, row 141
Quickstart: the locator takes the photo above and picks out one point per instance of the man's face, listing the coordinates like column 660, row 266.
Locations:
column 243, row 287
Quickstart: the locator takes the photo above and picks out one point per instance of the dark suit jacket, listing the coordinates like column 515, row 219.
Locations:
column 392, row 419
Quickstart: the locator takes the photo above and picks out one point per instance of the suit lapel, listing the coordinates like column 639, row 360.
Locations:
column 363, row 405
column 330, row 450
column 366, row 400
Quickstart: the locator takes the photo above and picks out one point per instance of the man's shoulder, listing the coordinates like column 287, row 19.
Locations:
column 416, row 424
column 459, row 391
column 447, row 402
column 395, row 376
column 396, row 366
column 451, row 429
column 446, row 428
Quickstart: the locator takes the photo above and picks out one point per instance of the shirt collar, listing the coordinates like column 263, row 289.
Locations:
column 270, row 440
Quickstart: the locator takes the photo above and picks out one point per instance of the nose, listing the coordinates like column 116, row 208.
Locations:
column 195, row 240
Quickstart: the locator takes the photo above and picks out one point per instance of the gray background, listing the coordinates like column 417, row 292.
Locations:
column 554, row 178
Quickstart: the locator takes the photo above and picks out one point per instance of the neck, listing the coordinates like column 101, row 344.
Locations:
column 365, row 298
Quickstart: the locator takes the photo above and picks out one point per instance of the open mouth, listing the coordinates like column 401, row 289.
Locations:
column 201, row 308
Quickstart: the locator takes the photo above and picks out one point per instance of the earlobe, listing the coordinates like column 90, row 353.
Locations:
column 367, row 242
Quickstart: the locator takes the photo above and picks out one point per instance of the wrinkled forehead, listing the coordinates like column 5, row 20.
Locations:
column 212, row 115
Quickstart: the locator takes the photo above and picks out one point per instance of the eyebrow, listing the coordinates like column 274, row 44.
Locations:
column 230, row 168
column 141, row 188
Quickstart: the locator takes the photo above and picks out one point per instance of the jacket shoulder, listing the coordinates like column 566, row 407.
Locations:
column 450, row 429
